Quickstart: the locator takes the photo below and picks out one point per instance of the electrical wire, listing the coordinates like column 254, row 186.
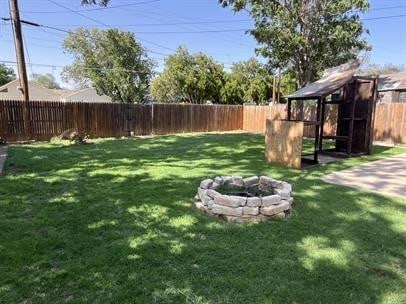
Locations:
column 28, row 53
column 183, row 32
column 91, row 9
column 104, row 24
column 153, row 1
column 167, row 24
column 201, row 22
column 13, row 63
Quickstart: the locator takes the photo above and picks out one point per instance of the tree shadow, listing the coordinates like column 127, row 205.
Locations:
column 113, row 222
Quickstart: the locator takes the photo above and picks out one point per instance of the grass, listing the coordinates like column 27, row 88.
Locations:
column 112, row 222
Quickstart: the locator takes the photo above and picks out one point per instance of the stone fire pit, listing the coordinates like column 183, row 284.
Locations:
column 240, row 200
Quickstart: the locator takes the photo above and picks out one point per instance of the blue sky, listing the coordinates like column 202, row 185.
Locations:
column 157, row 24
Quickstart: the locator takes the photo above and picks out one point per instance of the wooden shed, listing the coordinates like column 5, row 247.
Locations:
column 354, row 97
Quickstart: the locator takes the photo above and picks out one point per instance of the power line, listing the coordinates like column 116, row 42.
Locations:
column 189, row 31
column 199, row 22
column 31, row 37
column 14, row 63
column 193, row 32
column 179, row 32
column 383, row 17
column 28, row 54
column 142, row 39
column 167, row 24
column 61, row 66
column 91, row 9
column 77, row 13
column 171, row 15
column 104, row 24
column 35, row 24
column 386, row 8
column 145, row 40
column 37, row 45
column 153, row 1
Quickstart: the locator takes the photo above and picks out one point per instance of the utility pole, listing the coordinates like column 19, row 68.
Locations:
column 18, row 40
column 22, row 71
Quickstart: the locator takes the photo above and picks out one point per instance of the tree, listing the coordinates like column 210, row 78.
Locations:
column 189, row 78
column 306, row 36
column 112, row 61
column 46, row 80
column 100, row 2
column 288, row 83
column 249, row 81
column 6, row 74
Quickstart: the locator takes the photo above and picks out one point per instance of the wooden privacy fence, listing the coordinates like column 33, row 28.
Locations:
column 390, row 123
column 49, row 119
column 390, row 120
column 255, row 118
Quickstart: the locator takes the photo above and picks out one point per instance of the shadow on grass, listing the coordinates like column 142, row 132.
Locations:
column 113, row 222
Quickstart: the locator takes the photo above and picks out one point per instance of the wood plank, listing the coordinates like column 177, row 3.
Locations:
column 283, row 142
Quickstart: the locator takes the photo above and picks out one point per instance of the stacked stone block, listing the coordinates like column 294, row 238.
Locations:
column 240, row 209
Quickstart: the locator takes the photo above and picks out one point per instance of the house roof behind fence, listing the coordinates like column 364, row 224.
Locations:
column 332, row 80
column 87, row 95
column 390, row 82
column 11, row 91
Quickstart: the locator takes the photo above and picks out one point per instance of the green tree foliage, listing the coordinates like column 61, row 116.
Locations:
column 288, row 83
column 100, row 2
column 46, row 80
column 190, row 78
column 249, row 81
column 6, row 74
column 112, row 61
column 305, row 36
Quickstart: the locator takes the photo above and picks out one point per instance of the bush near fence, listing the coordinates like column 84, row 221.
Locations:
column 49, row 119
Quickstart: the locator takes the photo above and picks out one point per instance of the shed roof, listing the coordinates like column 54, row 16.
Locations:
column 332, row 80
column 391, row 82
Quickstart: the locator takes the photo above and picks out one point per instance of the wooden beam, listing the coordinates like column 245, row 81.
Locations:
column 289, row 109
column 317, row 132
column 322, row 120
column 352, row 115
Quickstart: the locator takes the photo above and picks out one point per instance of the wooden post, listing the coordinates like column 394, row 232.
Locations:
column 289, row 108
column 322, row 119
column 22, row 71
column 371, row 115
column 274, row 90
column 279, row 87
column 352, row 116
column 317, row 134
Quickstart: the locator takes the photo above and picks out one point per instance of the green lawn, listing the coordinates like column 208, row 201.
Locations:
column 113, row 222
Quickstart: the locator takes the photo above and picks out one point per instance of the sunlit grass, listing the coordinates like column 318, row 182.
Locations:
column 113, row 222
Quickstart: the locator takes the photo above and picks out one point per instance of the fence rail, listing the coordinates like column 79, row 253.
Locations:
column 49, row 119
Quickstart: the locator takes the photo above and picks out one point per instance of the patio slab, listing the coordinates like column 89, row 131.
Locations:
column 387, row 176
column 3, row 154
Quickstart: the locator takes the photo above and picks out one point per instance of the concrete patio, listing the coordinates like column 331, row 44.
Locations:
column 387, row 176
